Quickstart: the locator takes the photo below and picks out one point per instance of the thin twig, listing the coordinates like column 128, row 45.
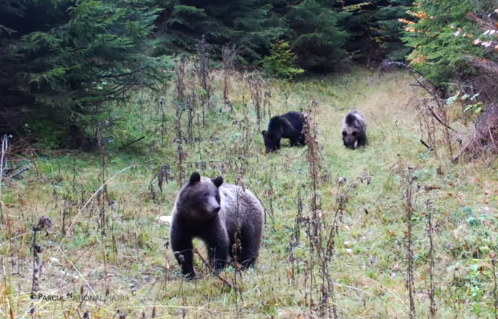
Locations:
column 19, row 173
column 425, row 144
column 226, row 282
column 437, row 118
column 126, row 145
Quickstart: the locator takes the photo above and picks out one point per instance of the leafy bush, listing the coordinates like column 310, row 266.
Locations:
column 281, row 62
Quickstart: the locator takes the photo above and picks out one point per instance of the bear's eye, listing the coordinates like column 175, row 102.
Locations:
column 344, row 133
column 354, row 133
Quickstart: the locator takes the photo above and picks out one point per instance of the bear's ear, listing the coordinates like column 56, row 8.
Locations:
column 263, row 133
column 194, row 178
column 218, row 181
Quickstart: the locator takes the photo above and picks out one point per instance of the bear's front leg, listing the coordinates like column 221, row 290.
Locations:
column 302, row 139
column 278, row 146
column 218, row 246
column 362, row 140
column 182, row 247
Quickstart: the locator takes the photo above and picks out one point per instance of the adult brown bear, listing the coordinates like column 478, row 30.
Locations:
column 289, row 125
column 214, row 212
column 354, row 130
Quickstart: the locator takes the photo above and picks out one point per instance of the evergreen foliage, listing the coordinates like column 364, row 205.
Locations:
column 73, row 56
column 248, row 24
column 310, row 26
column 316, row 37
column 281, row 62
column 389, row 28
column 374, row 29
column 438, row 52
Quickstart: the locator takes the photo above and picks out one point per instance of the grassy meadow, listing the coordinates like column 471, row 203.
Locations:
column 332, row 247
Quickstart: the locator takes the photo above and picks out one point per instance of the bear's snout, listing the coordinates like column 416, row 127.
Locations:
column 216, row 210
column 270, row 149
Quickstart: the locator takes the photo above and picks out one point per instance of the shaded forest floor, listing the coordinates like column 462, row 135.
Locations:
column 107, row 242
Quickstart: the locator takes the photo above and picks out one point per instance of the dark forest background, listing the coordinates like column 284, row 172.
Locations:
column 62, row 61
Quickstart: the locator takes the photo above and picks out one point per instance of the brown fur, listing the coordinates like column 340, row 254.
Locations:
column 354, row 130
column 213, row 211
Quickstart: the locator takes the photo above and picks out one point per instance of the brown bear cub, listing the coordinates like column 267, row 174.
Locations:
column 354, row 130
column 289, row 125
column 213, row 211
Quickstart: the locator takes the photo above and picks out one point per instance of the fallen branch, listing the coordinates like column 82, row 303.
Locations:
column 126, row 145
column 437, row 118
column 425, row 144
column 226, row 282
column 19, row 173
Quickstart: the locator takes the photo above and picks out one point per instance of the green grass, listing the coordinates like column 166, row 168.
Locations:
column 130, row 260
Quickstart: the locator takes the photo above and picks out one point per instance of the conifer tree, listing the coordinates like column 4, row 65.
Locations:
column 310, row 26
column 248, row 24
column 317, row 39
column 374, row 29
column 437, row 52
column 390, row 29
column 76, row 55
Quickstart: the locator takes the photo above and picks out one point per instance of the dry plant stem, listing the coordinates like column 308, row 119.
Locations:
column 321, row 247
column 228, row 55
column 65, row 212
column 5, row 146
column 162, row 109
column 495, row 296
column 428, row 127
column 202, row 70
column 266, row 104
column 226, row 282
column 255, row 85
column 7, row 300
column 103, row 198
column 180, row 70
column 43, row 224
column 163, row 176
column 191, row 115
column 104, row 257
column 296, row 235
column 237, row 246
column 430, row 231
column 180, row 152
column 409, row 209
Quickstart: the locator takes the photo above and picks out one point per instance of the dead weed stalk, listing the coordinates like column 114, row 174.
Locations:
column 430, row 233
column 321, row 241
column 407, row 184
column 255, row 83
column 202, row 71
column 228, row 54
column 44, row 223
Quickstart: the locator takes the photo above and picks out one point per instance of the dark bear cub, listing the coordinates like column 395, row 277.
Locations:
column 289, row 125
column 214, row 211
column 354, row 130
